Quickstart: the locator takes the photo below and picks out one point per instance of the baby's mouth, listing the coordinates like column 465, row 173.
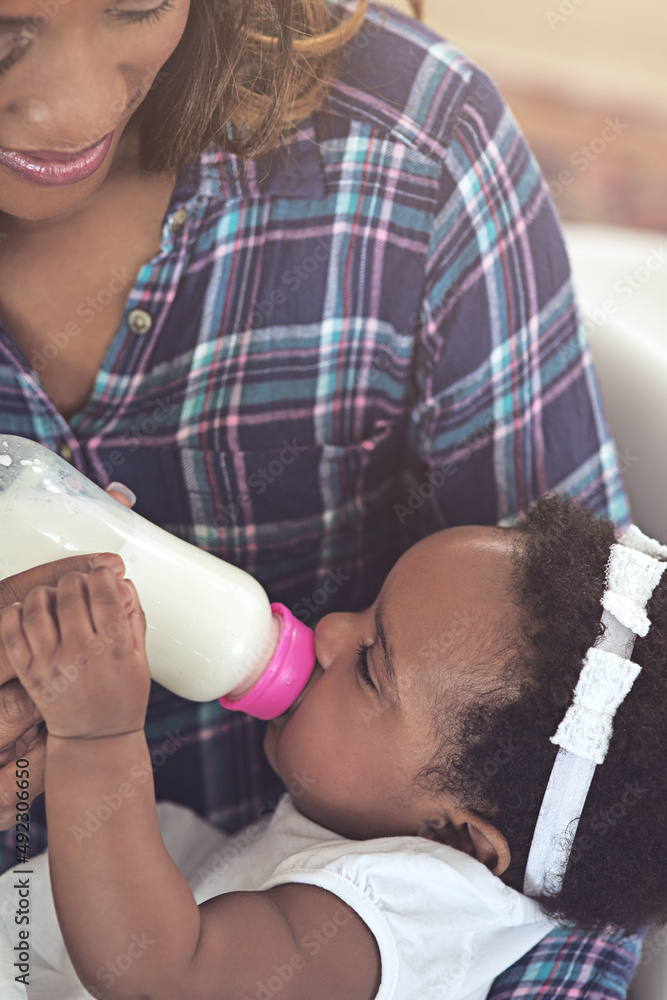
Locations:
column 316, row 674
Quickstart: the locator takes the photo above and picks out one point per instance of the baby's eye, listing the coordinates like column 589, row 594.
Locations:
column 362, row 666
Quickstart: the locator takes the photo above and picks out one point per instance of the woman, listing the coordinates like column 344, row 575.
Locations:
column 288, row 270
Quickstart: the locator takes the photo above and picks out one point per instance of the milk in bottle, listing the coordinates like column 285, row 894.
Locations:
column 211, row 631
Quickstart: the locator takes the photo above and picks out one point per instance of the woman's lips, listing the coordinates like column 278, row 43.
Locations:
column 50, row 169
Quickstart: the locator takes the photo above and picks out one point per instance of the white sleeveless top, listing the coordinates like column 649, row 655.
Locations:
column 444, row 925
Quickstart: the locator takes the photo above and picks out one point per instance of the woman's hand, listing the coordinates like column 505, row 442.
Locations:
column 123, row 494
column 79, row 651
column 19, row 716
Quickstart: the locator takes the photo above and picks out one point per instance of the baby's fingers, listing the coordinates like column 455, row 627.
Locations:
column 110, row 612
column 74, row 617
column 137, row 618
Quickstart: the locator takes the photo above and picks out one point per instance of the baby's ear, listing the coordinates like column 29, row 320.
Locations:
column 489, row 846
column 467, row 832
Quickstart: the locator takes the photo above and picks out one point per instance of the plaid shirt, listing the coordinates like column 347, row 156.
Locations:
column 352, row 343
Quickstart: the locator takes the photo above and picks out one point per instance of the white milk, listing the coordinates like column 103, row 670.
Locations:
column 210, row 626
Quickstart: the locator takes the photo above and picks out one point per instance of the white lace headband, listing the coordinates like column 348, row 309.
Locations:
column 633, row 572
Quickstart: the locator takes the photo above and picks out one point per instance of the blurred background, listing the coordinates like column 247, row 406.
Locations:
column 587, row 82
column 565, row 67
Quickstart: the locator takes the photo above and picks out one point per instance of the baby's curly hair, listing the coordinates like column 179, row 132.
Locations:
column 500, row 758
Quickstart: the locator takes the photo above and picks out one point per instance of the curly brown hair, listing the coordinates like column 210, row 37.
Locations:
column 244, row 73
column 500, row 757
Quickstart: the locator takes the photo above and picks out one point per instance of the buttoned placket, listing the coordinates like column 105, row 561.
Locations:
column 302, row 177
column 61, row 436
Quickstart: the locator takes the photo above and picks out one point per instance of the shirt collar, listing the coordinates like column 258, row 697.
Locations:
column 292, row 170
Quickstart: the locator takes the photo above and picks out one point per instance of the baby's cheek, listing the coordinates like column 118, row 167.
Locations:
column 302, row 748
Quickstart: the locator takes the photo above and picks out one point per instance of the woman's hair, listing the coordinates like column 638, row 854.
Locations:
column 500, row 758
column 243, row 74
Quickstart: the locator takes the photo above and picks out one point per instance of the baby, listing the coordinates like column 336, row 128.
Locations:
column 416, row 760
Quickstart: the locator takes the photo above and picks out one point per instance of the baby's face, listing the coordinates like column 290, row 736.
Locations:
column 348, row 752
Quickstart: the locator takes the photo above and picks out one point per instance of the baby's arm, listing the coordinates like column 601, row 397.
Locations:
column 79, row 651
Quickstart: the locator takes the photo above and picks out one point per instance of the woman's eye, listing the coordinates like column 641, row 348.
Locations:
column 362, row 665
column 146, row 15
column 17, row 45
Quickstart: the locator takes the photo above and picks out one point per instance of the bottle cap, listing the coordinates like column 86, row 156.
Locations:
column 286, row 675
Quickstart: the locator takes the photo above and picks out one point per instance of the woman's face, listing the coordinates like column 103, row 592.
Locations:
column 72, row 73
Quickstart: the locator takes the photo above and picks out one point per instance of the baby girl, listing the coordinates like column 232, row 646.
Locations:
column 430, row 834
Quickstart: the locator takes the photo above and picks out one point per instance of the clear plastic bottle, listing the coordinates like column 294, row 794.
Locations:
column 211, row 631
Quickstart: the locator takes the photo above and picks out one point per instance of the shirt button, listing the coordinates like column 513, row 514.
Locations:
column 178, row 220
column 65, row 452
column 139, row 321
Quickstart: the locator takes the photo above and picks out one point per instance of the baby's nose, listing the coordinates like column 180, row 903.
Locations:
column 331, row 635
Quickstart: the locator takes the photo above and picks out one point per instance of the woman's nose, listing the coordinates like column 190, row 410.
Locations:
column 333, row 634
column 75, row 106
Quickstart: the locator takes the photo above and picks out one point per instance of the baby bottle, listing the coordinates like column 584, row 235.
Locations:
column 211, row 632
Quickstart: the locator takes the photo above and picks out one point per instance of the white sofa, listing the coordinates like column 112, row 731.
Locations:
column 627, row 329
column 621, row 280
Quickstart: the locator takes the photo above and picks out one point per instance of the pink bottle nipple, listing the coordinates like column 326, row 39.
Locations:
column 286, row 675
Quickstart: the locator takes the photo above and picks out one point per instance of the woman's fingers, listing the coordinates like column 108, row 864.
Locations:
column 20, row 747
column 122, row 493
column 16, row 587
column 14, row 644
column 18, row 715
column 35, row 752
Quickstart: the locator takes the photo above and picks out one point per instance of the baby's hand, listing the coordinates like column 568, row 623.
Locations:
column 79, row 651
